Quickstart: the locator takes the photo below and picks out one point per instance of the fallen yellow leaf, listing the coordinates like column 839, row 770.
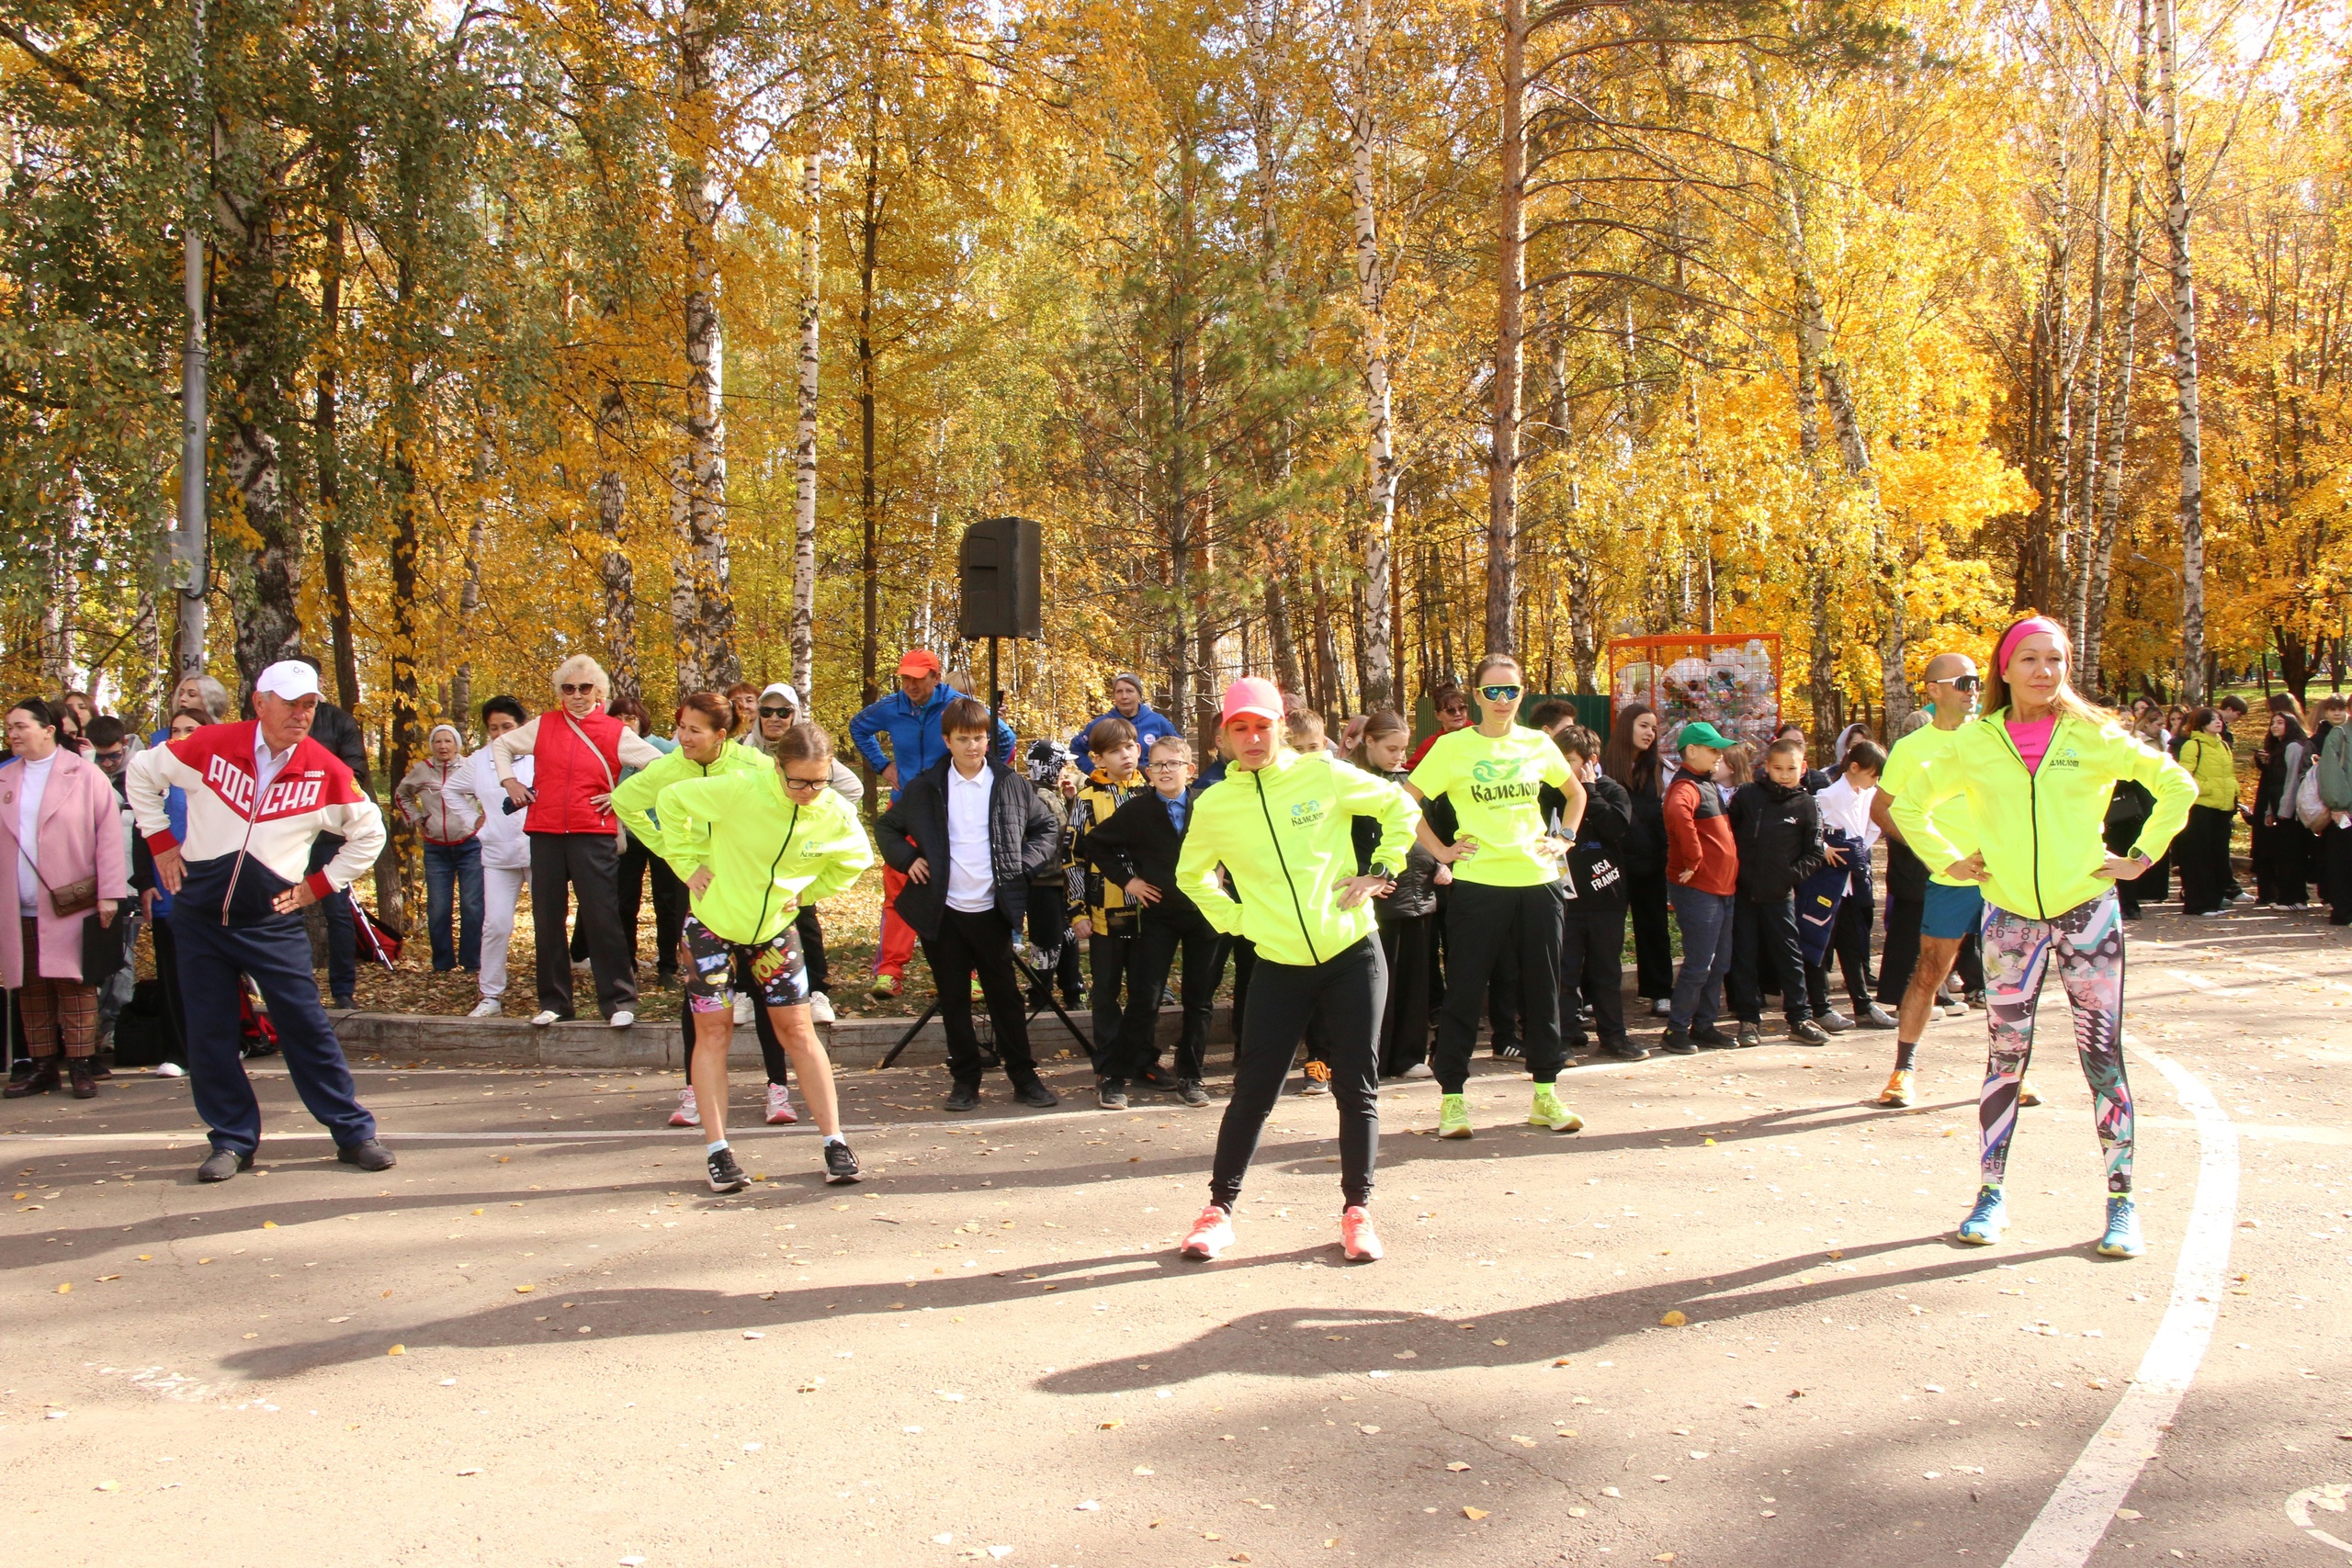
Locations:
column 396, row 1350
column 1674, row 1320
column 525, row 1289
column 1470, row 1513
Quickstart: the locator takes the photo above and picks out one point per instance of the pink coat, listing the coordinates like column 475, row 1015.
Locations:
column 81, row 835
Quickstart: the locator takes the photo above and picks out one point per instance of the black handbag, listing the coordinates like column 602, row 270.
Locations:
column 103, row 953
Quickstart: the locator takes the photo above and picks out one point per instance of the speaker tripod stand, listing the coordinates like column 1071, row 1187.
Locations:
column 1038, row 986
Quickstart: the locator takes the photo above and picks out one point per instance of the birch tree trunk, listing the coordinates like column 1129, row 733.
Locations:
column 461, row 679
column 707, row 654
column 2085, row 509
column 804, row 452
column 1377, row 647
column 612, row 508
column 256, row 407
column 2181, row 302
column 2102, row 557
column 1510, row 334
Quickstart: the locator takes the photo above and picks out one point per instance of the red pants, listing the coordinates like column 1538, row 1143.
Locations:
column 898, row 937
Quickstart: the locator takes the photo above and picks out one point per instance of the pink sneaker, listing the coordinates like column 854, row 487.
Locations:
column 1357, row 1239
column 780, row 1111
column 685, row 1115
column 1211, row 1233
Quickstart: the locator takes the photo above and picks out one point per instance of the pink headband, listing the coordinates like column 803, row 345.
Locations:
column 2022, row 630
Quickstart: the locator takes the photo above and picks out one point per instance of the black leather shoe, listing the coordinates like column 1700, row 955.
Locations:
column 84, row 1081
column 42, row 1080
column 368, row 1156
column 1035, row 1095
column 964, row 1096
column 223, row 1164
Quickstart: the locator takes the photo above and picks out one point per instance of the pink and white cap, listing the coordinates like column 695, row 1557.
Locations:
column 1250, row 694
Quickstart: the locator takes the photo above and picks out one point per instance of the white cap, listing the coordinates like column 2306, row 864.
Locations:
column 790, row 695
column 289, row 679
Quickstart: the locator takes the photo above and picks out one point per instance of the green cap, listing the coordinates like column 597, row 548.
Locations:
column 1699, row 732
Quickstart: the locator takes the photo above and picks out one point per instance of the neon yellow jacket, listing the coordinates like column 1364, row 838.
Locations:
column 2214, row 765
column 767, row 854
column 2040, row 833
column 1286, row 835
column 633, row 802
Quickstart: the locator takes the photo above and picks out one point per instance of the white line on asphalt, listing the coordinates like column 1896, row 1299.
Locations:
column 2068, row 1528
column 2299, row 1512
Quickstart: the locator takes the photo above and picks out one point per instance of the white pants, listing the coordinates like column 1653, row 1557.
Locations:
column 501, row 887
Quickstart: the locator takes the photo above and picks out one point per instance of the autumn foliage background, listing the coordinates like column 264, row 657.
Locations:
column 691, row 333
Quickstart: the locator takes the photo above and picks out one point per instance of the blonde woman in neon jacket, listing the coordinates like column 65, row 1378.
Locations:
column 2038, row 770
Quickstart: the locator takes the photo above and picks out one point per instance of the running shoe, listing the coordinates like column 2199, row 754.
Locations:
column 2027, row 1093
column 725, row 1175
column 1676, row 1043
column 687, row 1115
column 1873, row 1016
column 1509, row 1052
column 820, row 1008
column 780, row 1111
column 2122, row 1238
column 742, row 1008
column 1357, row 1239
column 1805, row 1032
column 1452, row 1117
column 1189, row 1091
column 885, row 988
column 1418, row 1070
column 486, row 1007
column 1987, row 1220
column 1900, row 1085
column 1211, row 1233
column 1836, row 1022
column 1663, row 1006
column 1110, row 1094
column 1312, row 1087
column 1707, row 1034
column 1751, row 1036
column 841, row 1165
column 1547, row 1112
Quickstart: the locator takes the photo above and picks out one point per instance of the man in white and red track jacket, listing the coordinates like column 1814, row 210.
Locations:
column 258, row 794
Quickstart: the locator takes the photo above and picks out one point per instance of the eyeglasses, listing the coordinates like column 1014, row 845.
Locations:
column 805, row 786
column 776, row 712
column 1165, row 762
column 1500, row 693
column 582, row 690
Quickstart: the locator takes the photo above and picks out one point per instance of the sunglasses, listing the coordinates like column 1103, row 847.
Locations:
column 776, row 712
column 582, row 690
column 805, row 786
column 1965, row 682
column 1500, row 693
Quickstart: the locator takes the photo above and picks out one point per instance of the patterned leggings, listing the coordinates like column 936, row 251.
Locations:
column 2089, row 942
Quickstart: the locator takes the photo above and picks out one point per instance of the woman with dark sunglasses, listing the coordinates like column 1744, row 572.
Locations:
column 1506, row 890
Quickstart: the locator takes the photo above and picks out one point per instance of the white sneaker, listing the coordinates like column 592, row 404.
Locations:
column 622, row 1019
column 1662, row 1008
column 820, row 1008
column 742, row 1008
column 580, row 966
column 170, row 1070
column 780, row 1111
column 541, row 1020
column 1419, row 1070
column 687, row 1115
column 486, row 1007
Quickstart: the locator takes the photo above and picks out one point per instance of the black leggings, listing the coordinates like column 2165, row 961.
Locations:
column 1346, row 993
column 1480, row 923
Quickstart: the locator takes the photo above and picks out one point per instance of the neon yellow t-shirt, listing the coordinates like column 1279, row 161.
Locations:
column 1904, row 763
column 1493, row 782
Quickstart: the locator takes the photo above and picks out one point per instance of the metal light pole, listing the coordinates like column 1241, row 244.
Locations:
column 192, row 552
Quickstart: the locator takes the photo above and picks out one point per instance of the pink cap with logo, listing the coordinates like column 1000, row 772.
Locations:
column 1251, row 694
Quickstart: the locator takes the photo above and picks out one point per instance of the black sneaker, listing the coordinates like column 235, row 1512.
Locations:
column 725, row 1175
column 1749, row 1036
column 223, row 1164
column 841, row 1165
column 1110, row 1094
column 1153, row 1077
column 964, row 1096
column 1676, row 1043
column 1623, row 1051
column 1036, row 1096
column 1511, row 1052
column 368, row 1155
column 1189, row 1091
column 1707, row 1034
column 1809, row 1033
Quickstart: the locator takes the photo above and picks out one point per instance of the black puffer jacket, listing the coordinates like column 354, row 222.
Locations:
column 1779, row 834
column 1597, row 864
column 1021, row 842
column 1416, row 891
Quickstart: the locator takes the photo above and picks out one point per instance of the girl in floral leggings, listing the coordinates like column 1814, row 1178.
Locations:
column 2038, row 771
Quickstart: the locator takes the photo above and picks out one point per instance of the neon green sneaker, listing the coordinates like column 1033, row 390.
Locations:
column 1548, row 1112
column 1452, row 1117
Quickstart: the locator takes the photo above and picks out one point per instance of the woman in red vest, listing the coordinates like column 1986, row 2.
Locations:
column 578, row 752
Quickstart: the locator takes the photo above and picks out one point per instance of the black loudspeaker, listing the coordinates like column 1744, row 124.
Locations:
column 1000, row 567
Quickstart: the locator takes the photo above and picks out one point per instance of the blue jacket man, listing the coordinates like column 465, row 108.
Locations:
column 1126, row 702
column 909, row 716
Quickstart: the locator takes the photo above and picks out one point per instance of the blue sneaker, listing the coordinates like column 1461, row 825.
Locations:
column 1987, row 1220
column 2122, row 1238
